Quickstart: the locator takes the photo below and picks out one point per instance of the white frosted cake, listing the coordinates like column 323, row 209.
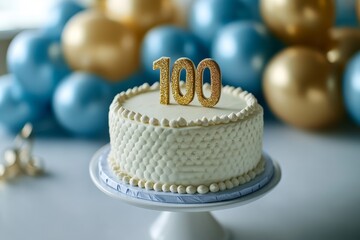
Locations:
column 185, row 149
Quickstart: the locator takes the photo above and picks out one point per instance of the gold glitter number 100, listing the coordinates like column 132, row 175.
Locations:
column 194, row 81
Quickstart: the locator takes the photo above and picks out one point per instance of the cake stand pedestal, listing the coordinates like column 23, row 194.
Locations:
column 184, row 221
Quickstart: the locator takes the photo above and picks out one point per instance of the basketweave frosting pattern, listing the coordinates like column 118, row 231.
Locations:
column 186, row 156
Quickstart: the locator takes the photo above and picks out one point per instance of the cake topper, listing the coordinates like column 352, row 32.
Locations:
column 194, row 81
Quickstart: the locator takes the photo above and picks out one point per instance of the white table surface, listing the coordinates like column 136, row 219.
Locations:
column 318, row 196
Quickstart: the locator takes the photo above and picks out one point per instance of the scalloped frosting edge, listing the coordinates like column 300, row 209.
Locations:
column 119, row 99
column 187, row 189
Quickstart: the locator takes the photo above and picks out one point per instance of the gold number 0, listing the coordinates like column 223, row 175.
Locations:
column 215, row 77
column 194, row 79
column 188, row 65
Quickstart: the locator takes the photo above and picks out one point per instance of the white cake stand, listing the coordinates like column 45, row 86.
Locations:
column 184, row 221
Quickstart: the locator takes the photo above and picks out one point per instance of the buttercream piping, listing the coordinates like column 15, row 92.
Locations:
column 251, row 108
column 164, row 122
column 131, row 115
column 154, row 122
column 188, row 189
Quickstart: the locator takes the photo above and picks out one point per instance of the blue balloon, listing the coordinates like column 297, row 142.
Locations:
column 346, row 13
column 351, row 88
column 48, row 126
column 254, row 7
column 207, row 17
column 171, row 42
column 242, row 49
column 59, row 15
column 16, row 109
column 37, row 62
column 81, row 104
column 134, row 80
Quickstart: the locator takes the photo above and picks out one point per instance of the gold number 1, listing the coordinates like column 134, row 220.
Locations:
column 164, row 65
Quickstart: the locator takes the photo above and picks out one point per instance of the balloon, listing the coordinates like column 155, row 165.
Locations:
column 59, row 15
column 81, row 104
column 346, row 13
column 95, row 44
column 134, row 80
column 100, row 5
column 16, row 108
column 182, row 9
column 254, row 7
column 37, row 63
column 302, row 89
column 242, row 49
column 141, row 15
column 48, row 126
column 351, row 88
column 299, row 21
column 172, row 42
column 346, row 42
column 358, row 10
column 207, row 17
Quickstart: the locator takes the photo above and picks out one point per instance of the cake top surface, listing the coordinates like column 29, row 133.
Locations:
column 148, row 104
column 144, row 101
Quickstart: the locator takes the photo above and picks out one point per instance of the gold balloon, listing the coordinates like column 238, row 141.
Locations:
column 303, row 22
column 182, row 9
column 302, row 89
column 141, row 15
column 358, row 9
column 345, row 43
column 96, row 44
column 100, row 5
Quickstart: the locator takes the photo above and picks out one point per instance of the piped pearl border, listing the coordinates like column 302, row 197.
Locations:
column 190, row 189
column 120, row 98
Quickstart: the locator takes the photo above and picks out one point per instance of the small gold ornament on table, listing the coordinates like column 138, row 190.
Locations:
column 19, row 159
column 194, row 81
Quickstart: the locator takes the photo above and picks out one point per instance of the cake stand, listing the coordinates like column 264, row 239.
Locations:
column 183, row 221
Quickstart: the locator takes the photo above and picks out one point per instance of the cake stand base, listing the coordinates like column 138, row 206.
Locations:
column 187, row 225
column 183, row 221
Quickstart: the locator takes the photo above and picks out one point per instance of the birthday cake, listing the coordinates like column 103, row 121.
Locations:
column 185, row 149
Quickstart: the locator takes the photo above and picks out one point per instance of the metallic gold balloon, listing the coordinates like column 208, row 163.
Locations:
column 345, row 43
column 182, row 9
column 95, row 4
column 303, row 22
column 358, row 9
column 302, row 89
column 100, row 4
column 96, row 44
column 141, row 15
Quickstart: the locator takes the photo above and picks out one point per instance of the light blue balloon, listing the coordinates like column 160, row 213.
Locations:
column 207, row 17
column 171, row 42
column 134, row 80
column 346, row 13
column 242, row 50
column 81, row 104
column 16, row 109
column 254, row 7
column 37, row 63
column 59, row 15
column 351, row 88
